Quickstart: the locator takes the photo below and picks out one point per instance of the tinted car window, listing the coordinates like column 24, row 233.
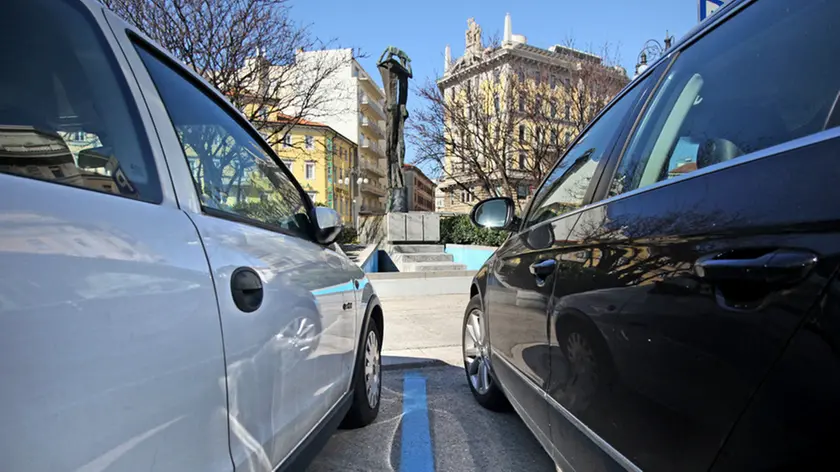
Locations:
column 768, row 75
column 65, row 116
column 564, row 189
column 232, row 172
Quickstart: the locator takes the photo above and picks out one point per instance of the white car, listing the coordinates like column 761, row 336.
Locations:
column 168, row 299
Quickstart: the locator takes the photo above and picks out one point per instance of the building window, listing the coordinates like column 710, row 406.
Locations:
column 309, row 170
column 567, row 112
column 538, row 135
column 537, row 78
column 523, row 160
column 567, row 136
column 522, row 101
column 522, row 191
column 288, row 163
column 521, row 134
column 554, row 110
column 554, row 138
column 521, row 74
column 538, row 104
column 496, row 74
column 552, row 82
column 309, row 141
column 496, row 103
column 466, row 196
column 287, row 140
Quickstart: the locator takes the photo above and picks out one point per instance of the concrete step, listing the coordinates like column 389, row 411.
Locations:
column 405, row 257
column 431, row 266
column 414, row 248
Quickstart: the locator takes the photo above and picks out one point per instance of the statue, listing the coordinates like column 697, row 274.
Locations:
column 395, row 70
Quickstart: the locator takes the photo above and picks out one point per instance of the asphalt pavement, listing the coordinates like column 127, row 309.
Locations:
column 457, row 434
column 428, row 420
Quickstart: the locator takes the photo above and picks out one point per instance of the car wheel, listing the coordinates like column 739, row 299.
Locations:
column 476, row 351
column 367, row 390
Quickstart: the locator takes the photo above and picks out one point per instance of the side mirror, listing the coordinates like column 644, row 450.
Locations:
column 328, row 225
column 496, row 213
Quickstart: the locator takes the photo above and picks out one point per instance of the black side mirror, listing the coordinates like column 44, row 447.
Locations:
column 496, row 213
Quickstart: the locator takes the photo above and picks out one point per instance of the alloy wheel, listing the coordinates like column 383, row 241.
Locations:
column 372, row 369
column 476, row 355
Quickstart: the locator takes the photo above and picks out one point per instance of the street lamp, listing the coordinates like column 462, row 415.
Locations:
column 348, row 181
column 652, row 50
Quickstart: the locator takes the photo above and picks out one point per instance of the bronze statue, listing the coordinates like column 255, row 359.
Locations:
column 395, row 71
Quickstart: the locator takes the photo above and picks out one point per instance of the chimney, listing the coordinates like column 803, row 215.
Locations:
column 447, row 61
column 508, row 29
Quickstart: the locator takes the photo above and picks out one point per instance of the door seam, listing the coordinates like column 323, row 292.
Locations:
column 749, row 401
column 221, row 335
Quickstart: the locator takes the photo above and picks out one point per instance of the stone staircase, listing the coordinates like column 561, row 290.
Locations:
column 422, row 258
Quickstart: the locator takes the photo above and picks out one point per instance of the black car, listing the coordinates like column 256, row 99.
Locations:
column 669, row 300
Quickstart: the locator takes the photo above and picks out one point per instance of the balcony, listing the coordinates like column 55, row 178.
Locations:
column 372, row 210
column 373, row 188
column 370, row 105
column 371, row 145
column 372, row 166
column 372, row 127
column 371, row 85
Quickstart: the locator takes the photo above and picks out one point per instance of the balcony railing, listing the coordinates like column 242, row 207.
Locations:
column 372, row 166
column 371, row 145
column 373, row 188
column 369, row 103
column 372, row 126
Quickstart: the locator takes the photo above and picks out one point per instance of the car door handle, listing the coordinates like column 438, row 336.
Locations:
column 779, row 267
column 247, row 289
column 542, row 270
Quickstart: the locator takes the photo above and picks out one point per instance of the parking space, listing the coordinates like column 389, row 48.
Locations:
column 429, row 421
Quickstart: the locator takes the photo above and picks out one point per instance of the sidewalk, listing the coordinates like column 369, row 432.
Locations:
column 423, row 330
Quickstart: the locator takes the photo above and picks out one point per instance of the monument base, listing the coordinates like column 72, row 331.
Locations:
column 396, row 228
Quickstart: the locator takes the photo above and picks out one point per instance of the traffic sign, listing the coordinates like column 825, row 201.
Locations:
column 705, row 8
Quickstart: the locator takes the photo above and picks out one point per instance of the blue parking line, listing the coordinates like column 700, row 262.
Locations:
column 416, row 437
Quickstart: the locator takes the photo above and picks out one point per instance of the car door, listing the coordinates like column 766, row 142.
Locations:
column 109, row 329
column 716, row 239
column 287, row 304
column 792, row 420
column 522, row 281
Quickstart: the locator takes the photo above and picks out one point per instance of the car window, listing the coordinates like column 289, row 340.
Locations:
column 232, row 172
column 565, row 188
column 744, row 87
column 65, row 112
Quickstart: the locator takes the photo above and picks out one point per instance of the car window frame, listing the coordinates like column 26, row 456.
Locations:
column 591, row 191
column 309, row 234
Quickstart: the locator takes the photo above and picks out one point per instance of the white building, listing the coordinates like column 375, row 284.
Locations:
column 358, row 112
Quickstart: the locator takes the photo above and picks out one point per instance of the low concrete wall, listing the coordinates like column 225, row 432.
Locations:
column 369, row 258
column 472, row 256
column 412, row 284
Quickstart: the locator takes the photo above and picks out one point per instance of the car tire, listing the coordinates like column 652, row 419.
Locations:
column 367, row 385
column 475, row 350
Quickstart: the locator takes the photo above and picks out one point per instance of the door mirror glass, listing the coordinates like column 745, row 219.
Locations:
column 494, row 213
column 329, row 225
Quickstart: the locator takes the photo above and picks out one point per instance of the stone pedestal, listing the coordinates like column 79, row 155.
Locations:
column 395, row 228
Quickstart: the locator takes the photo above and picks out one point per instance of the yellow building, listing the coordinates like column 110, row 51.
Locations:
column 320, row 158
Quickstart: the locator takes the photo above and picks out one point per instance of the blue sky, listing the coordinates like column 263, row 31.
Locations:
column 423, row 28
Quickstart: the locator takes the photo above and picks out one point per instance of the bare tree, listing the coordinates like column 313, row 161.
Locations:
column 250, row 50
column 502, row 127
